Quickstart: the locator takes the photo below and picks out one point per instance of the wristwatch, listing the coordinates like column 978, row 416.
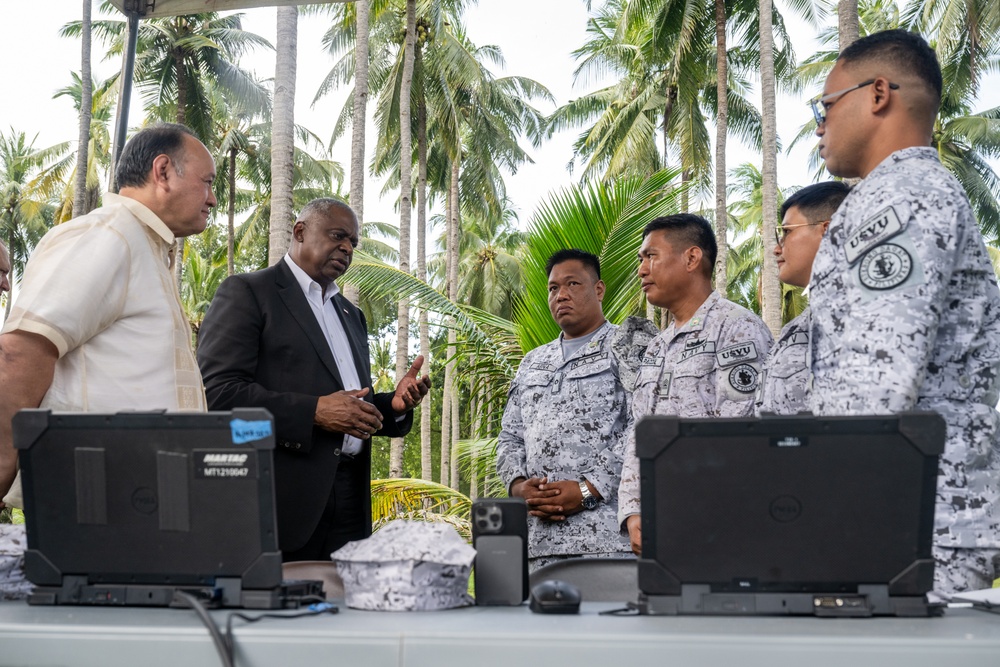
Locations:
column 589, row 501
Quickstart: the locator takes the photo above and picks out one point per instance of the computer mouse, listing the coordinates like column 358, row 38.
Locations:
column 553, row 596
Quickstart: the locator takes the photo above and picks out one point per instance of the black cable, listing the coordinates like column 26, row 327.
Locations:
column 224, row 649
column 320, row 606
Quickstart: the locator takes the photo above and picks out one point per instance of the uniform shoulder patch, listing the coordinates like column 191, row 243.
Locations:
column 883, row 225
column 885, row 267
column 744, row 378
column 734, row 354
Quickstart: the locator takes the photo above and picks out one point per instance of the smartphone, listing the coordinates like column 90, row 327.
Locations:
column 500, row 536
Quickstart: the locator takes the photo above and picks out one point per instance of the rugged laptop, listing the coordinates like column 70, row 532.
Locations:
column 826, row 516
column 127, row 508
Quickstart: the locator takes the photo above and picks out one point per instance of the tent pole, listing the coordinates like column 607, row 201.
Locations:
column 125, row 97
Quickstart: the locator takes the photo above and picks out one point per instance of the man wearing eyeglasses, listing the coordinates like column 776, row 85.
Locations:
column 905, row 305
column 805, row 216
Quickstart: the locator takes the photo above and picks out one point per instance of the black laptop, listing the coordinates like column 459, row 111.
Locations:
column 826, row 516
column 129, row 508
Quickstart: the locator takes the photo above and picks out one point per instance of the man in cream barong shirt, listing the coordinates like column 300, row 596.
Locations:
column 98, row 325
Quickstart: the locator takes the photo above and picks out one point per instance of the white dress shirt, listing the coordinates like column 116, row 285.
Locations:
column 325, row 311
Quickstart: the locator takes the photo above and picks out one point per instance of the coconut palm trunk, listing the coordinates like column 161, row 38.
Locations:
column 452, row 294
column 449, row 368
column 80, row 199
column 426, row 468
column 283, row 134
column 847, row 22
column 770, row 286
column 358, row 120
column 405, row 210
column 721, row 129
column 231, row 227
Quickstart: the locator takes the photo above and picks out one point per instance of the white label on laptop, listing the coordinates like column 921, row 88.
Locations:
column 225, row 464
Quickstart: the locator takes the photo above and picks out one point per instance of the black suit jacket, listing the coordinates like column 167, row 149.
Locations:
column 261, row 346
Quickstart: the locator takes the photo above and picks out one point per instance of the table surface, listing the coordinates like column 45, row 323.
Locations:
column 102, row 636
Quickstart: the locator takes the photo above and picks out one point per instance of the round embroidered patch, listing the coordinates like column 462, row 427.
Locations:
column 743, row 378
column 885, row 267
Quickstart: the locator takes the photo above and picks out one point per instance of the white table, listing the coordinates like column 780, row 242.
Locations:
column 473, row 637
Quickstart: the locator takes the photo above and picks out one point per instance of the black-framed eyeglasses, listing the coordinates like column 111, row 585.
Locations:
column 819, row 105
column 781, row 231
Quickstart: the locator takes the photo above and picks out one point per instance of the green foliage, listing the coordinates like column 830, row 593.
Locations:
column 422, row 500
column 604, row 219
column 11, row 515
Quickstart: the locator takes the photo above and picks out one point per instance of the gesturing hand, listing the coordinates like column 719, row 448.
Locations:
column 348, row 412
column 411, row 389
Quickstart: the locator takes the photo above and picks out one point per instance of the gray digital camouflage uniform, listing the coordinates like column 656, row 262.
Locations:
column 565, row 420
column 784, row 383
column 906, row 315
column 710, row 367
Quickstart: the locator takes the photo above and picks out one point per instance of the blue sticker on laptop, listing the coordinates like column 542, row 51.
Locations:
column 246, row 431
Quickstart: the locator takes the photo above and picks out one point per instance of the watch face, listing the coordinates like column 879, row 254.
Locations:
column 589, row 503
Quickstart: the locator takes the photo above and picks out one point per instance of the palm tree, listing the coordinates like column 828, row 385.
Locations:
column 405, row 210
column 359, row 119
column 282, row 134
column 965, row 141
column 770, row 285
column 747, row 257
column 965, row 34
column 58, row 179
column 176, row 57
column 489, row 266
column 603, row 218
column 313, row 175
column 204, row 271
column 25, row 215
column 847, row 23
column 80, row 203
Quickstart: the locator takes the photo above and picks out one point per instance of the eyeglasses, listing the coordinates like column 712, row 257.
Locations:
column 781, row 231
column 819, row 105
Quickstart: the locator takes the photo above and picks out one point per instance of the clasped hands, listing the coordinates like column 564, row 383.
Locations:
column 347, row 411
column 550, row 501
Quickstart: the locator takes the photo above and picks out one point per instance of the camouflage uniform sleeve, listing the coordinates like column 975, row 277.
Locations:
column 891, row 295
column 628, row 488
column 743, row 344
column 607, row 470
column 627, row 346
column 511, row 455
column 643, row 402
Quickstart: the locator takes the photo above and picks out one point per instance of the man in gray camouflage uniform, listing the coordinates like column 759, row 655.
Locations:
column 563, row 431
column 805, row 216
column 906, row 311
column 707, row 363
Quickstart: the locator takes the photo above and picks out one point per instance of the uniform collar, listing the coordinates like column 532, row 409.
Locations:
column 697, row 321
column 143, row 213
column 903, row 155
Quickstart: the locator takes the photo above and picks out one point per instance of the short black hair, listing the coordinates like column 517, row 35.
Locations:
column 904, row 50
column 818, row 201
column 589, row 260
column 137, row 157
column 691, row 230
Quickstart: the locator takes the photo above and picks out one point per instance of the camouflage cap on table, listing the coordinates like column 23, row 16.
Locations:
column 13, row 542
column 407, row 566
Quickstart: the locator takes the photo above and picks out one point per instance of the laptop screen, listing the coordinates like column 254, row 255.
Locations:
column 149, row 498
column 786, row 504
